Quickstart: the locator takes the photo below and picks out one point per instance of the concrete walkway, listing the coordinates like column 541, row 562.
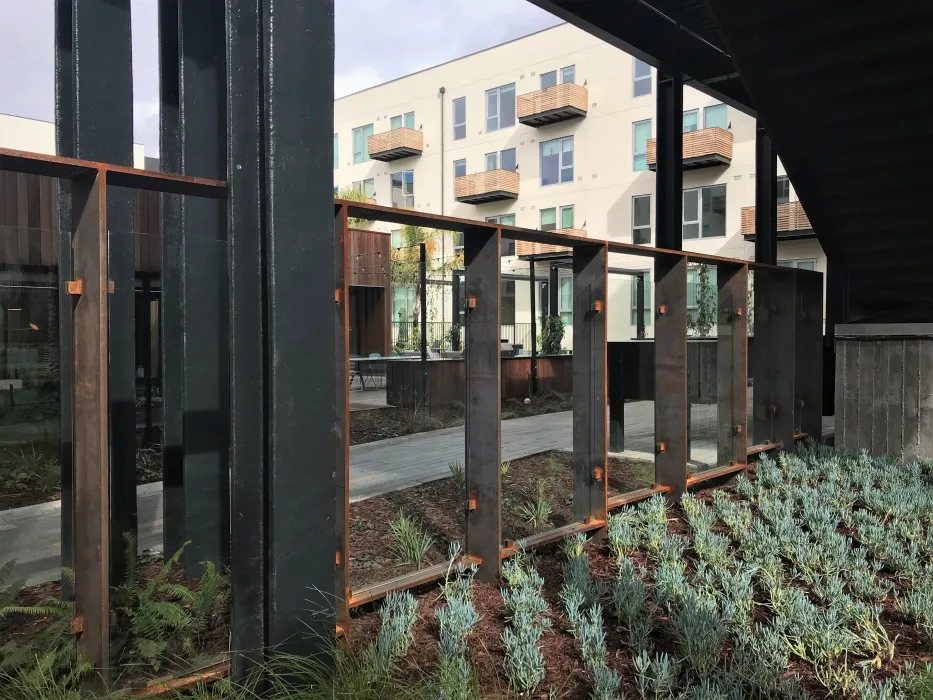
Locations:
column 31, row 534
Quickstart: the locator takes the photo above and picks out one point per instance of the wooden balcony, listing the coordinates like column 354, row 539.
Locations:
column 488, row 186
column 526, row 248
column 705, row 148
column 395, row 144
column 792, row 222
column 552, row 105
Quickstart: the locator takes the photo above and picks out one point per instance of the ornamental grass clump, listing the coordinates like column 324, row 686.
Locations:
column 629, row 597
column 525, row 611
column 699, row 631
column 453, row 677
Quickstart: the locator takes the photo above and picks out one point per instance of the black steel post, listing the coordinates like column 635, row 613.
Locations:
column 195, row 288
column 670, row 373
column 615, row 396
column 94, row 121
column 670, row 173
column 455, row 312
column 808, row 364
column 342, row 424
column 774, row 348
column 640, row 306
column 765, row 198
column 534, row 325
column 146, row 307
column 837, row 311
column 300, row 276
column 553, row 291
column 732, row 363
column 248, row 386
column 423, row 302
column 483, row 366
column 590, row 279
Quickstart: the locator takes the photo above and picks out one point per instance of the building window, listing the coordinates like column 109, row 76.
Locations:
column 403, row 189
column 557, row 161
column 396, row 238
column 504, row 160
column 508, row 244
column 704, row 214
column 367, row 187
column 361, row 143
column 568, row 74
column 642, row 78
column 548, row 79
column 460, row 168
column 566, row 217
column 500, row 107
column 690, row 120
column 716, row 115
column 565, row 299
column 641, row 219
column 783, row 190
column 799, row 264
column 549, row 219
column 507, row 307
column 693, row 283
column 647, row 313
column 407, row 120
column 641, row 132
column 336, row 153
column 403, row 303
column 459, row 118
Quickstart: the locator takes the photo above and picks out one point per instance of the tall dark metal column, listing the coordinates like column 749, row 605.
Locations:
column 837, row 311
column 765, row 198
column 670, row 172
column 640, row 306
column 590, row 279
column 423, row 304
column 774, row 348
column 732, row 363
column 483, row 436
column 616, row 399
column 534, row 325
column 342, row 424
column 553, row 292
column 456, row 320
column 248, row 383
column 94, row 121
column 808, row 363
column 195, row 286
column 670, row 373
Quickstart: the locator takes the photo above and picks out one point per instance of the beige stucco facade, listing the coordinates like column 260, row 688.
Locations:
column 604, row 179
column 38, row 136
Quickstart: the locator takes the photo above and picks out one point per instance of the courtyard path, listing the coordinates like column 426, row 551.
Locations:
column 31, row 535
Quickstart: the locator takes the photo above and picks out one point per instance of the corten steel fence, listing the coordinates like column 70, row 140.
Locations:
column 785, row 407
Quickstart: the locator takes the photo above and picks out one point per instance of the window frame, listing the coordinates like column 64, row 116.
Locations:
column 565, row 310
column 546, row 73
column 573, row 74
column 507, row 246
column 565, row 208
column 461, row 100
column 360, row 185
column 541, row 223
column 459, row 161
column 405, row 204
column 634, row 298
column 700, row 219
column 641, row 227
column 560, row 160
column 785, row 181
column 364, row 156
column 706, row 110
column 498, row 117
column 635, row 152
column 696, row 115
column 795, row 263
column 636, row 79
column 495, row 157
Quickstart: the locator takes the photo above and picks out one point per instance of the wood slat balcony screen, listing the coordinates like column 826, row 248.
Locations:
column 368, row 258
column 523, row 248
column 397, row 143
column 790, row 217
column 703, row 148
column 553, row 104
column 487, row 186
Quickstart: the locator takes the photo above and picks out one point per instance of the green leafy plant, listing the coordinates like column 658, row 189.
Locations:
column 552, row 335
column 353, row 194
column 412, row 543
column 538, row 509
column 458, row 474
column 699, row 631
column 702, row 319
column 504, row 467
column 525, row 610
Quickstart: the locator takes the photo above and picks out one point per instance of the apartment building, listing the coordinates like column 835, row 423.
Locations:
column 555, row 131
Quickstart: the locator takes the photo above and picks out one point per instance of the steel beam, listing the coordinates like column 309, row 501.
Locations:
column 483, row 437
column 248, row 389
column 342, row 522
column 300, row 275
column 590, row 279
column 92, row 499
column 94, row 121
column 774, row 348
column 670, row 373
column 732, row 363
column 670, row 170
column 195, row 286
column 765, row 198
column 808, row 341
column 615, row 397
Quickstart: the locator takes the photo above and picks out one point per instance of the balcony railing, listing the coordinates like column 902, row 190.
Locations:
column 525, row 248
column 553, row 104
column 705, row 148
column 488, row 186
column 792, row 221
column 398, row 143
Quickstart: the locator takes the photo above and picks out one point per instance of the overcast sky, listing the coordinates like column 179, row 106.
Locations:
column 377, row 40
